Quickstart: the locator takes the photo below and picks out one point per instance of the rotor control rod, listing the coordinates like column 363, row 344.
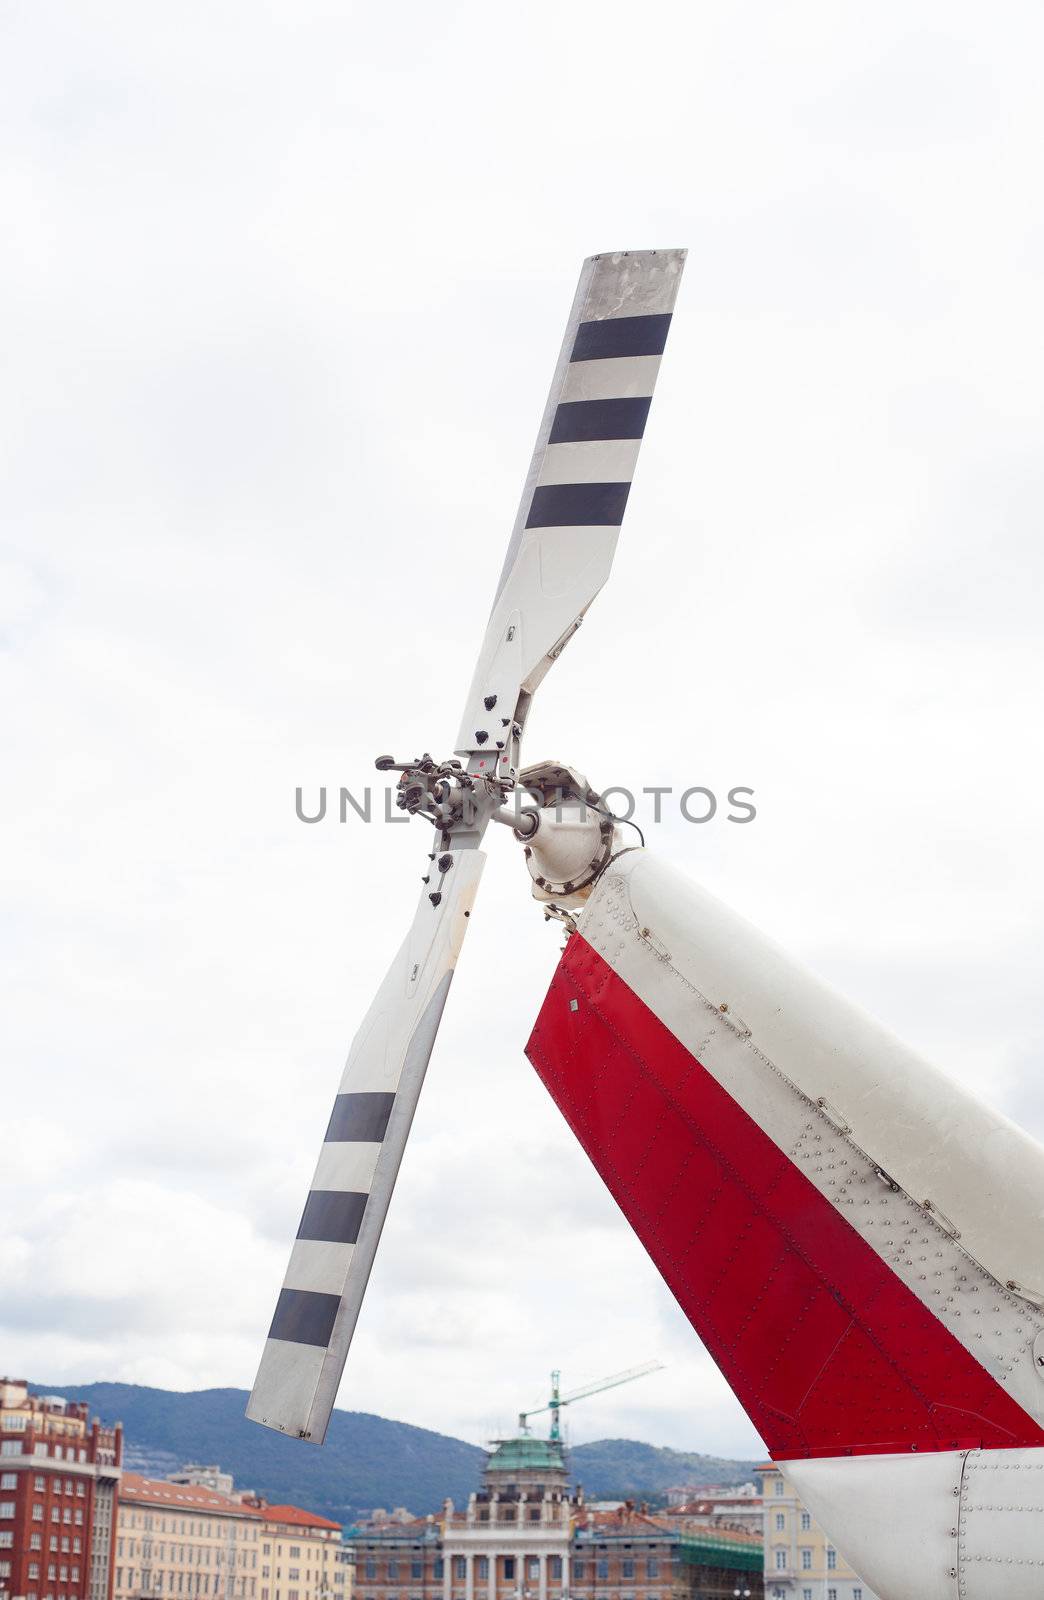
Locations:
column 524, row 820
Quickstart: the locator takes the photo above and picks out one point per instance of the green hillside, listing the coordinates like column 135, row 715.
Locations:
column 367, row 1461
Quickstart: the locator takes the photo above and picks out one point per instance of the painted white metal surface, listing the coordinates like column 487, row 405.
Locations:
column 297, row 1380
column 846, row 1102
column 552, row 574
column 558, row 558
column 957, row 1525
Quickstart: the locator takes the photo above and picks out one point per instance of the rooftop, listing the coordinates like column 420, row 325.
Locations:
column 526, row 1454
column 183, row 1497
column 295, row 1517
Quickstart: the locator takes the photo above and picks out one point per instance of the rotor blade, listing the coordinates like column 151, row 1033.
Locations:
column 573, row 502
column 319, row 1303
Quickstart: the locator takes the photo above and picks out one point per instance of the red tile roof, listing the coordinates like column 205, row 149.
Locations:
column 296, row 1517
column 181, row 1496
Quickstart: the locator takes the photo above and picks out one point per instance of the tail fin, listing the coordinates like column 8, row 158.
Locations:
column 849, row 1233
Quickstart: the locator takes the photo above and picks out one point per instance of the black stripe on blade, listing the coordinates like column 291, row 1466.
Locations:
column 362, row 1117
column 304, row 1317
column 333, row 1215
column 577, row 421
column 578, row 505
column 621, row 336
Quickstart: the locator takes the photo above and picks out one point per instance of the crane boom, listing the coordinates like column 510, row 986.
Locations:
column 611, row 1382
column 557, row 1400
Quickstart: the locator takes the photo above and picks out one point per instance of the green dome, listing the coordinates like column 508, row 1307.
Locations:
column 526, row 1454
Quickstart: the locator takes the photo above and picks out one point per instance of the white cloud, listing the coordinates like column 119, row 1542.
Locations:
column 283, row 293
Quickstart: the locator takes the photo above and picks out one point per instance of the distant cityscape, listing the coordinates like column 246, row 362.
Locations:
column 76, row 1524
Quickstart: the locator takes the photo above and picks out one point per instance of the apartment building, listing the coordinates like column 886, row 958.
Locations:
column 301, row 1556
column 183, row 1539
column 59, row 1472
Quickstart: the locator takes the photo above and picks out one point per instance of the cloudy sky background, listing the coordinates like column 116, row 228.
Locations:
column 283, row 289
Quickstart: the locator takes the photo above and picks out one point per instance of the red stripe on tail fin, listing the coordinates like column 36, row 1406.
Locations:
column 826, row 1348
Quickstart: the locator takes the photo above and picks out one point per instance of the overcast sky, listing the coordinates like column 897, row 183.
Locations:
column 283, row 286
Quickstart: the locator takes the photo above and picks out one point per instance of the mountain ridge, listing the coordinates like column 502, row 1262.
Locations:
column 367, row 1461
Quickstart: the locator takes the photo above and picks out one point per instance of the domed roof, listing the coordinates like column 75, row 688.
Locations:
column 524, row 1455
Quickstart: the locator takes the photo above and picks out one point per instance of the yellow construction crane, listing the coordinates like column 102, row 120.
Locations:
column 558, row 1400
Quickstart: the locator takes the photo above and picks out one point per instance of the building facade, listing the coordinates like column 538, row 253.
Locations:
column 632, row 1553
column 59, row 1473
column 737, row 1507
column 194, row 1535
column 800, row 1561
column 525, row 1535
column 180, row 1539
column 302, row 1557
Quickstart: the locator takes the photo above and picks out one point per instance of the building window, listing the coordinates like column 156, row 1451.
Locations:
column 628, row 1569
column 831, row 1560
column 482, row 1566
column 8, row 1480
column 438, row 1572
column 509, row 1567
column 831, row 1594
column 6, row 1539
column 781, row 1560
column 532, row 1566
column 781, row 1521
column 554, row 1567
column 7, row 1508
column 806, row 1561
column 393, row 1572
column 416, row 1569
column 460, row 1567
column 602, row 1569
column 578, row 1570
column 857, row 1594
column 10, row 1447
